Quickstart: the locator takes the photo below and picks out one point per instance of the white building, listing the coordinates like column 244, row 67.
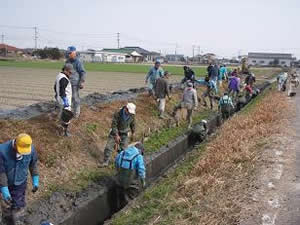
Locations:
column 269, row 59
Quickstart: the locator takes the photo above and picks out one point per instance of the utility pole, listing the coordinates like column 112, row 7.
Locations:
column 118, row 39
column 176, row 46
column 2, row 38
column 193, row 51
column 5, row 46
column 35, row 37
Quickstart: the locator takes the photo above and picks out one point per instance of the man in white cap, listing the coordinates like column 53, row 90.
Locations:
column 123, row 121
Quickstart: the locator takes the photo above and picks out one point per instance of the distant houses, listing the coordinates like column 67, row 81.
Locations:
column 270, row 59
column 8, row 50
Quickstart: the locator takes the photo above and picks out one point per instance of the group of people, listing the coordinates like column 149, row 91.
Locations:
column 288, row 81
column 17, row 156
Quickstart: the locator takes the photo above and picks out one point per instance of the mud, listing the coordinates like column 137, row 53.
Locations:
column 100, row 200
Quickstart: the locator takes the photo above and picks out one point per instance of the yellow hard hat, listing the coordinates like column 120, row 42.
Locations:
column 23, row 144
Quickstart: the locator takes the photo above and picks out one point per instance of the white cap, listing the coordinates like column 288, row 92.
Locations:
column 131, row 108
column 203, row 121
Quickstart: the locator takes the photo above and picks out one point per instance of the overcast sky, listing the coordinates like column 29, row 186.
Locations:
column 226, row 28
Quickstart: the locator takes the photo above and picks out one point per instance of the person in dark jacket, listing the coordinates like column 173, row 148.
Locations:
column 63, row 94
column 161, row 92
column 16, row 158
column 131, row 170
column 189, row 75
column 77, row 79
column 123, row 121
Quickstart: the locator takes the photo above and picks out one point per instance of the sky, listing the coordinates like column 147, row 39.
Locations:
column 226, row 28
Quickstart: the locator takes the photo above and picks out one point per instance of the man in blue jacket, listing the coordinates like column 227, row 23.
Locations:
column 154, row 73
column 16, row 158
column 131, row 170
column 77, row 79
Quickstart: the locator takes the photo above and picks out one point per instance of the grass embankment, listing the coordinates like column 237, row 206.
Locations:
column 211, row 185
column 71, row 163
column 129, row 68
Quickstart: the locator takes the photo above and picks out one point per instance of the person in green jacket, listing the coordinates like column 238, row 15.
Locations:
column 123, row 121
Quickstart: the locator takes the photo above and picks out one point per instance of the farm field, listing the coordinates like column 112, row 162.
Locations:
column 24, row 86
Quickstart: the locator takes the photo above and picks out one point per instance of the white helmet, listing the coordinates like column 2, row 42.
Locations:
column 131, row 108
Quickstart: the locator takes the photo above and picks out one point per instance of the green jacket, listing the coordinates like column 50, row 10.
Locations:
column 120, row 125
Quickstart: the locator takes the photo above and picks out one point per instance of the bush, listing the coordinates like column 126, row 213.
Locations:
column 48, row 53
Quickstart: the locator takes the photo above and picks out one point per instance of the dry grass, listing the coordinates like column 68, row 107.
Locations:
column 216, row 187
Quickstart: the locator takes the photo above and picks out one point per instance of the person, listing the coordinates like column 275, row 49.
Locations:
column 234, row 85
column 154, row 73
column 209, row 92
column 213, row 75
column 17, row 156
column 63, row 94
column 189, row 75
column 123, row 121
column 281, row 81
column 189, row 102
column 200, row 131
column 131, row 169
column 226, row 106
column 209, row 69
column 250, row 79
column 222, row 74
column 161, row 91
column 78, row 78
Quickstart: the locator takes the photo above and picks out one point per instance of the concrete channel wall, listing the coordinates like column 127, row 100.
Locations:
column 99, row 202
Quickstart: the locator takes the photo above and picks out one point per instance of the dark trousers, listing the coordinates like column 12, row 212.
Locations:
column 17, row 193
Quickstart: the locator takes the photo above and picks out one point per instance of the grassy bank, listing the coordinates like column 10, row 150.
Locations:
column 211, row 185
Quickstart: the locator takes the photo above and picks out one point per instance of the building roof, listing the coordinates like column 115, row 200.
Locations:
column 262, row 55
column 9, row 48
column 138, row 49
column 122, row 51
column 173, row 55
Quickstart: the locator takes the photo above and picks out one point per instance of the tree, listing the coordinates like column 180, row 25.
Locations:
column 48, row 53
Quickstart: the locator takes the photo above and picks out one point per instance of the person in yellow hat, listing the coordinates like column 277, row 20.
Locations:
column 16, row 158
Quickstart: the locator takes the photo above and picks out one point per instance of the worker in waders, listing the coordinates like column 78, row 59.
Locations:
column 131, row 171
column 77, row 79
column 189, row 76
column 154, row 73
column 209, row 92
column 226, row 106
column 16, row 158
column 63, row 95
column 123, row 121
column 200, row 131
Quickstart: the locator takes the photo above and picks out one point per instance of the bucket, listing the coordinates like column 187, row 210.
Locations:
column 66, row 115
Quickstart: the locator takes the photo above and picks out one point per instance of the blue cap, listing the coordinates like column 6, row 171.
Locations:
column 71, row 49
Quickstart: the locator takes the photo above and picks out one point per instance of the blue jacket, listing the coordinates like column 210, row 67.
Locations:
column 209, row 84
column 131, row 159
column 79, row 73
column 154, row 74
column 16, row 171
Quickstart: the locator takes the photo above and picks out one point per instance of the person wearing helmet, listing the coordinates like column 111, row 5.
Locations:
column 63, row 94
column 77, row 79
column 200, row 130
column 123, row 121
column 226, row 106
column 131, row 170
column 154, row 73
column 16, row 158
column 189, row 102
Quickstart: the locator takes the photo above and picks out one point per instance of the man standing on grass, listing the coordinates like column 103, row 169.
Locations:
column 161, row 92
column 63, row 94
column 189, row 102
column 77, row 79
column 154, row 73
column 16, row 158
column 123, row 121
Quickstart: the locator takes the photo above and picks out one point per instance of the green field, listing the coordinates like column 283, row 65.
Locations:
column 129, row 68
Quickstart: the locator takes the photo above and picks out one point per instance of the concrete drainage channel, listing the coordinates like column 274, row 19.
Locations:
column 99, row 201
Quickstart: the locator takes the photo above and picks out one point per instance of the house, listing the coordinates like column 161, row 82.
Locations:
column 8, row 50
column 175, row 58
column 270, row 59
column 131, row 56
column 147, row 55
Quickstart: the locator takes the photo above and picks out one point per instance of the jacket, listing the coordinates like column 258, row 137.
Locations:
column 78, row 74
column 130, row 165
column 225, row 101
column 120, row 125
column 214, row 73
column 15, row 172
column 250, row 79
column 63, row 89
column 154, row 74
column 190, row 96
column 222, row 73
column 161, row 88
column 234, row 84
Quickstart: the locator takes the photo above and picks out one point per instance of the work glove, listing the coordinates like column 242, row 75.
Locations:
column 117, row 139
column 35, row 183
column 66, row 102
column 6, row 195
column 143, row 182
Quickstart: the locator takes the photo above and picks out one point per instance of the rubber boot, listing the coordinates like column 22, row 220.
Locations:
column 17, row 216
